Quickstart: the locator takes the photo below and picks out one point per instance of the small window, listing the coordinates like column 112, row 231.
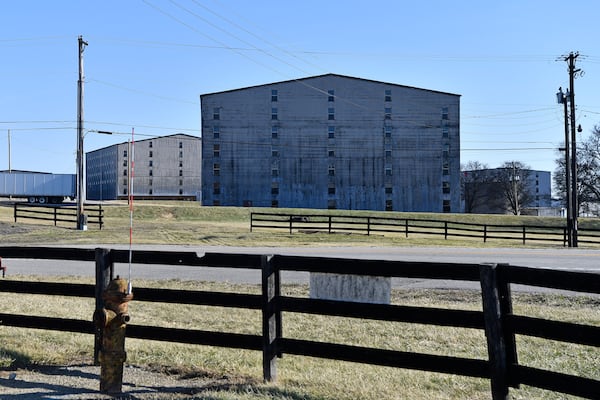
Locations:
column 388, row 95
column 216, row 169
column 274, row 132
column 331, row 153
column 274, row 95
column 388, row 131
column 331, row 170
column 124, row 172
column 274, row 115
column 149, row 182
column 445, row 187
column 150, row 191
column 180, row 154
column 331, row 204
column 180, row 191
column 125, row 191
column 124, row 163
column 388, row 190
column 388, row 171
column 274, row 153
column 444, row 112
column 445, row 168
column 216, row 132
column 331, row 190
column 125, row 182
column 388, row 153
column 388, row 112
column 216, row 188
column 181, row 182
column 180, row 164
column 216, row 113
column 181, row 145
column 216, row 150
column 150, row 163
column 150, row 144
column 331, row 113
column 274, row 171
column 331, row 132
column 180, row 172
column 331, row 95
column 149, row 172
column 274, row 188
column 150, row 154
column 124, row 153
column 274, row 203
column 445, row 132
column 446, row 206
column 389, row 206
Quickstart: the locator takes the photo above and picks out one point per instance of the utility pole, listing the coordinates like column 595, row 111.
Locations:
column 9, row 168
column 563, row 99
column 81, row 219
column 574, row 200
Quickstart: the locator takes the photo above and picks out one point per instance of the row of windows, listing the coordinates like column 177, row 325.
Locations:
column 150, row 146
column 330, row 95
column 332, row 204
column 150, row 191
column 150, row 172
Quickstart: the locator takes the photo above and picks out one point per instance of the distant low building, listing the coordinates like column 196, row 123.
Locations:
column 484, row 191
column 332, row 141
column 166, row 167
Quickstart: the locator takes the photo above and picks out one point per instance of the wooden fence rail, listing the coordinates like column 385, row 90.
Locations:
column 58, row 213
column 497, row 318
column 412, row 226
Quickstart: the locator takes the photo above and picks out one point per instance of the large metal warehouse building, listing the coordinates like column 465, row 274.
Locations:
column 165, row 167
column 332, row 141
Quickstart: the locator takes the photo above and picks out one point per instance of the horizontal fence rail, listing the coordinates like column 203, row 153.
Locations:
column 310, row 223
column 497, row 319
column 58, row 213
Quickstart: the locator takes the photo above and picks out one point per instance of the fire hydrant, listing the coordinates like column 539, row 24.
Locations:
column 112, row 319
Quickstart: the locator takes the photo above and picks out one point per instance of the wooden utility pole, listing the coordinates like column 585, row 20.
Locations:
column 81, row 223
column 574, row 200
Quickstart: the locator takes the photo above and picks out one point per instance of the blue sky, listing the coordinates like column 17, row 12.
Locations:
column 148, row 61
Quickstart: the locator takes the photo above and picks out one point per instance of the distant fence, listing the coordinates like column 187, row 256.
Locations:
column 59, row 213
column 310, row 223
column 497, row 318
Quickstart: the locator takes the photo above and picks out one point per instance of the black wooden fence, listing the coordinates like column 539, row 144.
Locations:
column 59, row 213
column 311, row 223
column 497, row 318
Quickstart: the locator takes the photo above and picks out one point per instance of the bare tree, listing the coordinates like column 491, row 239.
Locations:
column 475, row 180
column 513, row 184
column 588, row 172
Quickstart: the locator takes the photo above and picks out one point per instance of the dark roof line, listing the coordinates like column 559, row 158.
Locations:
column 144, row 140
column 324, row 75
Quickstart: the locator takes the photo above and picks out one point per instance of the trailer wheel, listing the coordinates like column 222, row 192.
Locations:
column 42, row 200
column 31, row 199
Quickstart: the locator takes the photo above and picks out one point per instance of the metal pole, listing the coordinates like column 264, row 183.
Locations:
column 80, row 181
column 574, row 200
column 568, row 175
column 9, row 168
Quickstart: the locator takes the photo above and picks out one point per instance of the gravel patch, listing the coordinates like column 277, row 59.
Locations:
column 83, row 382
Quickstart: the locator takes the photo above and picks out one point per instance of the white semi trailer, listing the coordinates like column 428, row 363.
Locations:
column 38, row 187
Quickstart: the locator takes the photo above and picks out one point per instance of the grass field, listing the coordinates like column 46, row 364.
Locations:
column 299, row 377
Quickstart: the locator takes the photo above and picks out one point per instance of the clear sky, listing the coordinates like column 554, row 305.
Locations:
column 148, row 61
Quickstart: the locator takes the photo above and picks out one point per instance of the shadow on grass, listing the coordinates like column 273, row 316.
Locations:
column 19, row 360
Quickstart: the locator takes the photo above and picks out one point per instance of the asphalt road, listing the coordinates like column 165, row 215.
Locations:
column 554, row 258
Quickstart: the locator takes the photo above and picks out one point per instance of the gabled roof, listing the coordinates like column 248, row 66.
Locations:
column 300, row 80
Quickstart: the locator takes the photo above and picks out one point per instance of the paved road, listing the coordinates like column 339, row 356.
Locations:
column 558, row 258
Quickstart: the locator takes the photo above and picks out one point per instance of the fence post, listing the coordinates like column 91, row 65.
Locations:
column 104, row 274
column 291, row 219
column 406, row 227
column 523, row 234
column 368, row 226
column 251, row 221
column 494, row 330
column 55, row 216
column 329, row 226
column 270, row 318
column 445, row 230
column 484, row 233
column 15, row 212
column 100, row 216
